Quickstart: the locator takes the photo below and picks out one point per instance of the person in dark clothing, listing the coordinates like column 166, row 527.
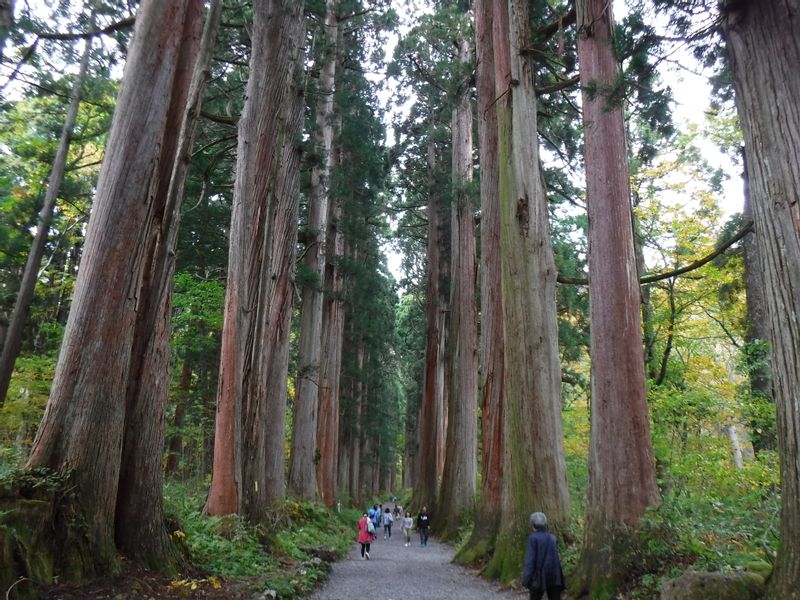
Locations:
column 542, row 573
column 423, row 522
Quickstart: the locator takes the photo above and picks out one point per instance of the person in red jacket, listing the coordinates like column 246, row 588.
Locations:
column 365, row 537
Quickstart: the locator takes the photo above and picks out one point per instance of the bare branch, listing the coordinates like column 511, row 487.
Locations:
column 690, row 267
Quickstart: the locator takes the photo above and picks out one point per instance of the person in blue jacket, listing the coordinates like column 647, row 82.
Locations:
column 542, row 574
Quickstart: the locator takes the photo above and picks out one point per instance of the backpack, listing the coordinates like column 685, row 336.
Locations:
column 370, row 526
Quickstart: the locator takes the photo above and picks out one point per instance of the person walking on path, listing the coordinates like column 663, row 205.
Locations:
column 388, row 519
column 375, row 516
column 365, row 537
column 423, row 523
column 407, row 526
column 542, row 573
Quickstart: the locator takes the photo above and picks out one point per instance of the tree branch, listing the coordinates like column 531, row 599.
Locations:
column 690, row 267
column 224, row 119
column 558, row 86
column 123, row 24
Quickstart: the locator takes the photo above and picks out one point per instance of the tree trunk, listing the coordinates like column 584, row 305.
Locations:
column 255, row 311
column 622, row 481
column 13, row 337
column 140, row 528
column 355, row 441
column 331, row 359
column 275, row 347
column 431, row 409
column 457, row 494
column 673, row 313
column 763, row 44
column 487, row 520
column 175, row 444
column 534, row 469
column 648, row 335
column 6, row 23
column 91, row 410
column 302, row 464
column 762, row 438
column 411, row 451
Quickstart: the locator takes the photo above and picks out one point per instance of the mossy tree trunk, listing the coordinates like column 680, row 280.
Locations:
column 622, row 481
column 104, row 423
column 534, row 469
column 763, row 45
column 492, row 350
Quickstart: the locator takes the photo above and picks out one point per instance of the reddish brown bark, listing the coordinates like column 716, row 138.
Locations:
column 244, row 414
column 141, row 475
column 114, row 333
column 763, row 45
column 457, row 492
column 275, row 348
column 431, row 419
column 622, row 479
column 534, row 470
column 331, row 359
column 487, row 520
column 302, row 467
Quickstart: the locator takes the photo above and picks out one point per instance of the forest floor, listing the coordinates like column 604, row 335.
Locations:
column 136, row 583
column 399, row 572
column 394, row 572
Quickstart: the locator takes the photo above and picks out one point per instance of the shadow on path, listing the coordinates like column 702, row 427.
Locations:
column 397, row 572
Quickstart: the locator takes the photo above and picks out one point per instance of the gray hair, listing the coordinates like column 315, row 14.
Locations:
column 538, row 520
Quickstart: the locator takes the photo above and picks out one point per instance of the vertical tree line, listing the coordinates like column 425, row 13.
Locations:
column 463, row 377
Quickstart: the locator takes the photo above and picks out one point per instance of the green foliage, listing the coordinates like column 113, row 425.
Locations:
column 197, row 315
column 289, row 552
column 24, row 407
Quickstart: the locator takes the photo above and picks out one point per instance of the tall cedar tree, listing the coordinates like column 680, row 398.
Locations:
column 302, row 465
column 434, row 387
column 534, row 469
column 457, row 493
column 331, row 359
column 622, row 480
column 492, row 351
column 247, row 475
column 104, row 423
column 763, row 45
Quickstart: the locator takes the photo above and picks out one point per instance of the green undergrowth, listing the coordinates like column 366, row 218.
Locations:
column 290, row 553
column 713, row 517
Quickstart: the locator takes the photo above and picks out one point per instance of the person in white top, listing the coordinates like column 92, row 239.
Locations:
column 408, row 525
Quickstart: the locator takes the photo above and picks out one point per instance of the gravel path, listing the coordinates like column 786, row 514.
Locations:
column 397, row 572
